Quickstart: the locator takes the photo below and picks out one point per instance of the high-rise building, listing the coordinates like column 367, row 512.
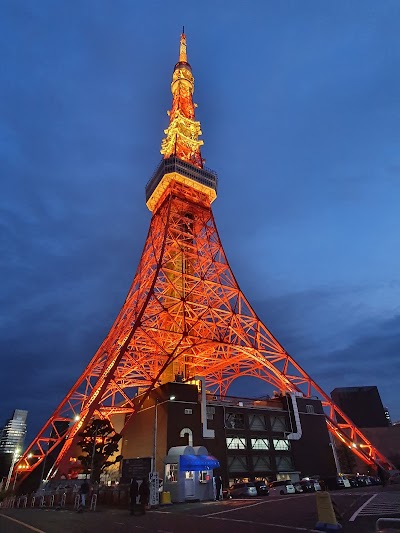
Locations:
column 387, row 415
column 363, row 405
column 13, row 434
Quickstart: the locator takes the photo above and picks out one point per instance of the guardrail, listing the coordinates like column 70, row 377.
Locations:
column 59, row 500
column 390, row 521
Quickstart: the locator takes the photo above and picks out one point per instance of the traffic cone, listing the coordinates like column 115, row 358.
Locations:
column 327, row 520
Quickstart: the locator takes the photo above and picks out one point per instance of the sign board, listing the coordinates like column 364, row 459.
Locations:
column 154, row 483
column 138, row 468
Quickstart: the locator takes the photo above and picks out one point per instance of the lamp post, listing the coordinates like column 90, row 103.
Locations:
column 13, row 461
column 157, row 403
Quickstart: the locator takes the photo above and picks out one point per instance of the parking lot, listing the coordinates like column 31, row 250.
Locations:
column 360, row 509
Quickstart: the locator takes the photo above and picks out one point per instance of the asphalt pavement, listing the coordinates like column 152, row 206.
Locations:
column 360, row 508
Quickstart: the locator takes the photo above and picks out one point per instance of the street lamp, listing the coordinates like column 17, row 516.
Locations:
column 13, row 461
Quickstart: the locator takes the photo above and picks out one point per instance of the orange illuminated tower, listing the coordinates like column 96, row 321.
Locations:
column 185, row 314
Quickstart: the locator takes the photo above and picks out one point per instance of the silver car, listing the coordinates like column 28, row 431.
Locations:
column 282, row 487
column 240, row 490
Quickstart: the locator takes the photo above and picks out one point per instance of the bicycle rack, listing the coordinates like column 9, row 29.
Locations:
column 93, row 502
column 77, row 501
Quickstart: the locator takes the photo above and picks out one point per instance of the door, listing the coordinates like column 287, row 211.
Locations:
column 189, row 484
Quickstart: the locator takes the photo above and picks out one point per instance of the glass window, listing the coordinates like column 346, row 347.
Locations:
column 260, row 444
column 234, row 420
column 261, row 463
column 257, row 422
column 284, row 463
column 237, row 464
column 278, row 423
column 171, row 472
column 281, row 444
column 236, row 443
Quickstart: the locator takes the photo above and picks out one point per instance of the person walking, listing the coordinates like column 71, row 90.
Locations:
column 133, row 493
column 144, row 494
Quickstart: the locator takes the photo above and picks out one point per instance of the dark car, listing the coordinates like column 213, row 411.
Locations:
column 353, row 479
column 336, row 482
column 262, row 488
column 307, row 485
column 298, row 487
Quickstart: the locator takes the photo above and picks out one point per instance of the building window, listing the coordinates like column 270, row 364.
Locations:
column 260, row 444
column 284, row 463
column 258, row 422
column 236, row 443
column 310, row 409
column 281, row 444
column 171, row 472
column 261, row 463
column 234, row 420
column 188, row 411
column 210, row 412
column 278, row 423
column 237, row 464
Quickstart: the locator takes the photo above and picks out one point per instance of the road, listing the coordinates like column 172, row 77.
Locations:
column 360, row 509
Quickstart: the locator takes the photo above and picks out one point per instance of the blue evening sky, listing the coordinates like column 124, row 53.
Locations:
column 300, row 109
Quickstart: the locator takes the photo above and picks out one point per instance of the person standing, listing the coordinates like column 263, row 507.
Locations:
column 144, row 494
column 84, row 491
column 218, row 488
column 133, row 493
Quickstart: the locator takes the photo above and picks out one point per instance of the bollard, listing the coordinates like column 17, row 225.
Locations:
column 327, row 520
column 33, row 501
column 25, row 498
column 63, row 498
column 51, row 500
column 42, row 502
column 165, row 498
column 93, row 502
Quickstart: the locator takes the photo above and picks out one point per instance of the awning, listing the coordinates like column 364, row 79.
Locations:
column 197, row 463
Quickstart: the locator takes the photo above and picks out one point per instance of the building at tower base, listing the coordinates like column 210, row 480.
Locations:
column 270, row 438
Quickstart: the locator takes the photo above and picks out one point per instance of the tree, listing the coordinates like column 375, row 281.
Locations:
column 346, row 458
column 99, row 443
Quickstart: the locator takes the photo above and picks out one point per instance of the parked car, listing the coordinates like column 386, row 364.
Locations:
column 239, row 490
column 308, row 485
column 353, row 480
column 336, row 482
column 298, row 487
column 316, row 484
column 363, row 481
column 282, row 487
column 262, row 488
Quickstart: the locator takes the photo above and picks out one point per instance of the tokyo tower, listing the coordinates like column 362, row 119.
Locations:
column 185, row 314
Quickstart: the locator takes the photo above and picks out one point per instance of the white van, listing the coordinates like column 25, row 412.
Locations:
column 281, row 487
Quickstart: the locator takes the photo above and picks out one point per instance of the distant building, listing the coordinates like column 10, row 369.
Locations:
column 387, row 414
column 11, row 437
column 363, row 405
column 13, row 433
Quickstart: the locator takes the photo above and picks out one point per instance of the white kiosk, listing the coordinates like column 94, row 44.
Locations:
column 189, row 473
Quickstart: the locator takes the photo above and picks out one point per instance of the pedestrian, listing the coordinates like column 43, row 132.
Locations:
column 144, row 494
column 133, row 493
column 84, row 491
column 218, row 487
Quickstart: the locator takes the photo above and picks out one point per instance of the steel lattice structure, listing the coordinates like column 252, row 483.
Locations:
column 185, row 312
